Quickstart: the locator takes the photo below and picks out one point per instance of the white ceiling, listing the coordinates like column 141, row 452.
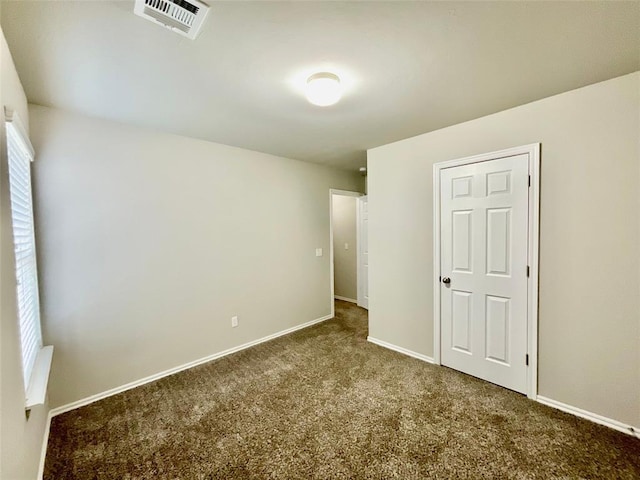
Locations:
column 410, row 67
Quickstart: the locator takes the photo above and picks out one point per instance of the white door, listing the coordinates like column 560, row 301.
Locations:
column 363, row 252
column 483, row 294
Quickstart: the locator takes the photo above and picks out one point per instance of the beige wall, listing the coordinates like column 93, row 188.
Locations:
column 589, row 319
column 20, row 439
column 345, row 261
column 150, row 243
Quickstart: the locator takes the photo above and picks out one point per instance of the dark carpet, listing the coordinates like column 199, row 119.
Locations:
column 323, row 403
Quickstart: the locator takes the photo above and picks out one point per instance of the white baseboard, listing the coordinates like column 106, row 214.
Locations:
column 114, row 391
column 404, row 351
column 594, row 417
column 345, row 299
column 45, row 443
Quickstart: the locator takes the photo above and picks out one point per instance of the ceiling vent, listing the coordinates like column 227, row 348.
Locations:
column 181, row 16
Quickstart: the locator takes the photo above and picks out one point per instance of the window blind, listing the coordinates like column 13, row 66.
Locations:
column 20, row 157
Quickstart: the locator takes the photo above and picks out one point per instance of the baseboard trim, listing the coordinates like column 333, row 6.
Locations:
column 404, row 351
column 123, row 388
column 594, row 417
column 345, row 299
column 45, row 444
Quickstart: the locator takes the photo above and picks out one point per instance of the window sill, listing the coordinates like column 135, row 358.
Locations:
column 37, row 389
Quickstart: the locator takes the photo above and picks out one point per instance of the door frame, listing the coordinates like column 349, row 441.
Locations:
column 344, row 193
column 533, row 151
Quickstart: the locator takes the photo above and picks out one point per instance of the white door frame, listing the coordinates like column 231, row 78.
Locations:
column 533, row 150
column 345, row 193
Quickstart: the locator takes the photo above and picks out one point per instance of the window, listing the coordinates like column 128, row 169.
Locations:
column 35, row 361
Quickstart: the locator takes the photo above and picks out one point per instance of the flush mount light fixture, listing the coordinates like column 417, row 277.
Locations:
column 323, row 89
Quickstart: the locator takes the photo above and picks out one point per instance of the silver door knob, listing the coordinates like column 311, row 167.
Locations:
column 446, row 280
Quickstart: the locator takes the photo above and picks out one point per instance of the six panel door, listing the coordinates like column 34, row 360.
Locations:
column 483, row 234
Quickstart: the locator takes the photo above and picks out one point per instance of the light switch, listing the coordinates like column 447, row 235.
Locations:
column 346, row 246
column 318, row 252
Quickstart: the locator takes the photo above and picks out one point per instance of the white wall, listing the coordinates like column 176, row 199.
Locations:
column 20, row 438
column 149, row 243
column 589, row 319
column 345, row 261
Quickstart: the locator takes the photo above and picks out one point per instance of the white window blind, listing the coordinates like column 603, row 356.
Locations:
column 20, row 157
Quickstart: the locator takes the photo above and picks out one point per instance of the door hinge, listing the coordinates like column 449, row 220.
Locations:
column 527, row 359
column 529, row 180
column 528, row 270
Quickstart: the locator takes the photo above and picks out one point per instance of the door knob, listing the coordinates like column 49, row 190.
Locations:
column 446, row 280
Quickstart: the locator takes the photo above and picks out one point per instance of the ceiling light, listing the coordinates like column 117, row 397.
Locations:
column 323, row 89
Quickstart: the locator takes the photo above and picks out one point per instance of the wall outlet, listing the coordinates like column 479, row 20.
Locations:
column 318, row 252
column 234, row 321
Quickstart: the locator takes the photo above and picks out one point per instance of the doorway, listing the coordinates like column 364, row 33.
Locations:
column 346, row 246
column 486, row 266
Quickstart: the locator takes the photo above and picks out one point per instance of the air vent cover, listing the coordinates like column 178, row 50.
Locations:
column 181, row 16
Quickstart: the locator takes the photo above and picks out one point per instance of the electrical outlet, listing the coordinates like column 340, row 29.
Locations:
column 318, row 252
column 234, row 321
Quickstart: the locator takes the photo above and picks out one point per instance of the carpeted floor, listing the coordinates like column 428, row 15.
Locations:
column 323, row 403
